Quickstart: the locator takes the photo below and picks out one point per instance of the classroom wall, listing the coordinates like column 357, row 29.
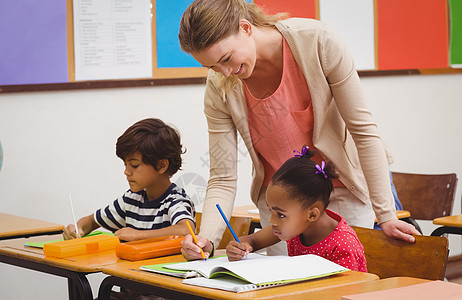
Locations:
column 60, row 142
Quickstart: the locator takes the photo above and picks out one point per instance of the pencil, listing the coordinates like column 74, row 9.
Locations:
column 227, row 224
column 73, row 216
column 195, row 238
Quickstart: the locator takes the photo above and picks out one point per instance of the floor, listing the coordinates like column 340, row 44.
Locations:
column 454, row 269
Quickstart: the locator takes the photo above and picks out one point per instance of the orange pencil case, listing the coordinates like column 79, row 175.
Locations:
column 81, row 246
column 149, row 248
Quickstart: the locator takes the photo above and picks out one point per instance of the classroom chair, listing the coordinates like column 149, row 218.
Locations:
column 426, row 258
column 425, row 196
column 240, row 226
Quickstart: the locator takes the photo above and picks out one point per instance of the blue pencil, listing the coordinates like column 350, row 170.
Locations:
column 227, row 223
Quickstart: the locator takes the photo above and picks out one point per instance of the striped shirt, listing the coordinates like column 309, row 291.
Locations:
column 135, row 211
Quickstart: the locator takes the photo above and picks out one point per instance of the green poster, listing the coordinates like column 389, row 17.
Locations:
column 455, row 19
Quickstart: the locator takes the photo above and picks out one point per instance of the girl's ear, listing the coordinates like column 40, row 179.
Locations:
column 162, row 165
column 314, row 212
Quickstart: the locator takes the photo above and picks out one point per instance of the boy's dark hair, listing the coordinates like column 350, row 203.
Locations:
column 303, row 181
column 155, row 140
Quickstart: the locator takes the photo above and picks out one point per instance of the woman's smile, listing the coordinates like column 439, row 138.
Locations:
column 239, row 71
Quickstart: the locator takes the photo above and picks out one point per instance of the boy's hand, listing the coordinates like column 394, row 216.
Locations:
column 128, row 234
column 237, row 251
column 191, row 251
column 69, row 232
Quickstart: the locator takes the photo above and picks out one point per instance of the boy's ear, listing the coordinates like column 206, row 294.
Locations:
column 162, row 165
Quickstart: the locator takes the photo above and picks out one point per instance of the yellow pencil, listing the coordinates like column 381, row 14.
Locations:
column 195, row 238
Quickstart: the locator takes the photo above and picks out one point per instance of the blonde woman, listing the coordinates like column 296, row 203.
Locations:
column 284, row 83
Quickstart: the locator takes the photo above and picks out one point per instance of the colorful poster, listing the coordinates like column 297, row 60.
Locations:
column 168, row 17
column 412, row 34
column 33, row 47
column 353, row 20
column 455, row 19
column 295, row 8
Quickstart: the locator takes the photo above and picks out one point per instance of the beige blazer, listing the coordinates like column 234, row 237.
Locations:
column 344, row 131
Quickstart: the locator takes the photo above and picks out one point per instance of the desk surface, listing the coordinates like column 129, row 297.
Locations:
column 130, row 271
column 90, row 263
column 453, row 221
column 11, row 226
column 243, row 211
column 365, row 287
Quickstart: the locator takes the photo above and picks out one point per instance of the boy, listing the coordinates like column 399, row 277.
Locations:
column 153, row 206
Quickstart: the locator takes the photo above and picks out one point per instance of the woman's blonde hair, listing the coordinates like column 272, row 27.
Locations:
column 206, row 22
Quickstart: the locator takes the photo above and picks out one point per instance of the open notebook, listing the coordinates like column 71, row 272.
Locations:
column 256, row 271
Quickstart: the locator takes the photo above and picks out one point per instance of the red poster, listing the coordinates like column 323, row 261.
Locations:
column 412, row 34
column 295, row 8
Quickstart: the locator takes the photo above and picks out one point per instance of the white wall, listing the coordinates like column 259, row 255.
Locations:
column 60, row 142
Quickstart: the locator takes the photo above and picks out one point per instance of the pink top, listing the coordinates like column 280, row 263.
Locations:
column 342, row 246
column 282, row 122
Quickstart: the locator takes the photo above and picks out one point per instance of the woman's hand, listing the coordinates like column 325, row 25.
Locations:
column 399, row 230
column 237, row 251
column 191, row 251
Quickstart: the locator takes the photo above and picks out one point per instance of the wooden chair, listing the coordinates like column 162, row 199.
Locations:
column 425, row 196
column 240, row 226
column 386, row 257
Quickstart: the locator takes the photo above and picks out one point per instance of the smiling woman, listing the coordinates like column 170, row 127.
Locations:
column 283, row 83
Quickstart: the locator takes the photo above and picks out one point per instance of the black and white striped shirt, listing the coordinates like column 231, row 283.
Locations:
column 133, row 210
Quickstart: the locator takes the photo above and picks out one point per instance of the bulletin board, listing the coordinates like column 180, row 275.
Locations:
column 385, row 37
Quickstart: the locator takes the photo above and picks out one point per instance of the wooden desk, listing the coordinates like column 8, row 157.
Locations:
column 402, row 214
column 450, row 224
column 75, row 268
column 12, row 226
column 405, row 216
column 365, row 287
column 128, row 275
column 243, row 211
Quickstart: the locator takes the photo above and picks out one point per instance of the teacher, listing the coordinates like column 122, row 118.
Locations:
column 283, row 83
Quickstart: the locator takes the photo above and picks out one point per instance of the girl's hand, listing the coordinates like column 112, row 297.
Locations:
column 237, row 251
column 69, row 232
column 191, row 251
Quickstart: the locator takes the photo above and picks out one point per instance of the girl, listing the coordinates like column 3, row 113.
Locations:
column 297, row 197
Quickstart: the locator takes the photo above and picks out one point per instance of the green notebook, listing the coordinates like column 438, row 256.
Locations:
column 162, row 269
column 41, row 244
column 256, row 271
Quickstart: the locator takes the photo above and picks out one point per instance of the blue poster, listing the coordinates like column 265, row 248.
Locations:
column 168, row 16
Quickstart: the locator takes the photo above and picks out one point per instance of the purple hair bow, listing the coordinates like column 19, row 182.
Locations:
column 321, row 169
column 298, row 154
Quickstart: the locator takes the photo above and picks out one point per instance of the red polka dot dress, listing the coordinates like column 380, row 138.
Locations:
column 342, row 246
